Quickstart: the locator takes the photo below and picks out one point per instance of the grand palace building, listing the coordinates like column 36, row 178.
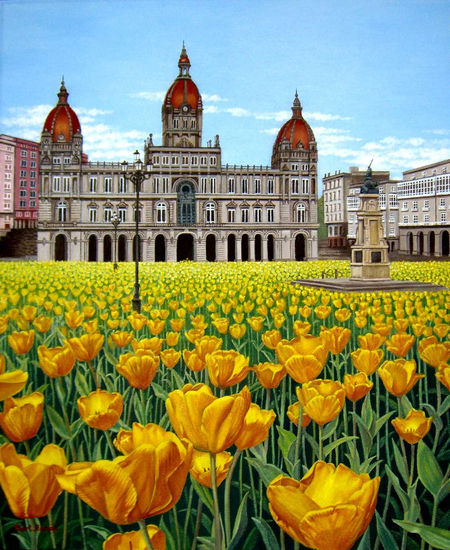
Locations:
column 191, row 205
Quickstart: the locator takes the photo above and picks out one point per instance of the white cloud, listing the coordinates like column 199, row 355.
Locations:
column 324, row 117
column 237, row 111
column 149, row 96
column 24, row 117
column 213, row 98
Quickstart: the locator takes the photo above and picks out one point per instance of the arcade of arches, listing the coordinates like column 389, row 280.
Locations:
column 429, row 242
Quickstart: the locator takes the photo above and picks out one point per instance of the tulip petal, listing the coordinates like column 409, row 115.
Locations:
column 222, row 422
column 16, row 488
column 11, row 383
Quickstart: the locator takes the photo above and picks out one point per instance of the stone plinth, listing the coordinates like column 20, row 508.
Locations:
column 369, row 253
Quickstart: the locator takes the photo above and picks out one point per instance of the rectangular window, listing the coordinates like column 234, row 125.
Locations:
column 213, row 185
column 32, row 174
column 56, row 184
column 391, row 231
column 33, row 164
column 32, row 204
column 257, row 214
column 92, row 215
column 415, row 206
column 194, row 161
column 23, row 183
column 23, row 153
column 156, row 185
column 203, row 161
column 174, row 160
column 426, row 205
column 175, row 123
column 56, row 160
column 244, row 215
column 442, row 203
column 391, row 218
column 122, row 214
column 22, row 204
column 107, row 182
column 165, row 160
column 66, row 160
column 426, row 218
column 305, row 186
column 231, row 185
column 212, row 161
column 32, row 194
column 93, row 185
column 270, row 214
column 257, row 185
column 244, row 186
column 23, row 174
column 270, row 187
column 185, row 160
column 203, row 183
column 231, row 215
column 443, row 217
column 405, row 219
column 122, row 185
column 107, row 213
column 165, row 185
column 294, row 186
column 415, row 219
column 404, row 205
column 66, row 184
column 33, row 155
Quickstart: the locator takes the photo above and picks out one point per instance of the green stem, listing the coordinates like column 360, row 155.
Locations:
column 197, row 524
column 143, row 529
column 80, row 515
column 94, row 375
column 297, row 469
column 52, row 534
column 227, row 497
column 177, row 527
column 217, row 534
column 411, row 496
column 438, row 406
column 252, row 485
column 65, row 520
column 188, row 512
column 320, row 442
column 34, row 535
column 110, row 444
column 2, row 534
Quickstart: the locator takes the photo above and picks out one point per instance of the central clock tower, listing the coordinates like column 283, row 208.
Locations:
column 182, row 110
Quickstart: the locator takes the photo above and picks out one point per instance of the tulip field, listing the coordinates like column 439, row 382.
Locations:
column 235, row 411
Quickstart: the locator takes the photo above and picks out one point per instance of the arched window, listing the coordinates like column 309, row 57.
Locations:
column 210, row 212
column 161, row 212
column 300, row 213
column 61, row 212
column 186, row 203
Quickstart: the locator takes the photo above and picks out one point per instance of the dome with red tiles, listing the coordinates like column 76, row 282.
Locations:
column 184, row 90
column 296, row 130
column 62, row 119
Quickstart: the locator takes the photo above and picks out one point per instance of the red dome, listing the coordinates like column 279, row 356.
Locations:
column 295, row 130
column 182, row 91
column 62, row 119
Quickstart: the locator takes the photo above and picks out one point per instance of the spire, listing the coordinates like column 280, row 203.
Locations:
column 184, row 62
column 296, row 106
column 63, row 93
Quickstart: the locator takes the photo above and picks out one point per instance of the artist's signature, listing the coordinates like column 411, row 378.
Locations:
column 32, row 528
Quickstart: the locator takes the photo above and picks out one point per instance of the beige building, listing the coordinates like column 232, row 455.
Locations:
column 7, row 153
column 424, row 210
column 191, row 206
column 341, row 202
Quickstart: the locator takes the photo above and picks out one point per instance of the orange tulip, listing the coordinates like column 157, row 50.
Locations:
column 357, row 386
column 100, row 409
column 399, row 376
column 156, row 326
column 443, row 375
column 43, row 323
column 206, row 345
column 221, row 324
column 256, row 323
column 201, row 467
column 170, row 357
column 433, row 352
column 322, row 312
column 256, row 426
column 177, row 324
column 400, row 344
column 301, row 327
column 152, row 344
column 87, row 346
column 226, row 368
column 22, row 416
column 370, row 341
column 269, row 374
column 134, row 540
column 330, row 507
column 57, row 361
column 172, row 338
column 122, row 338
column 129, row 440
column 147, row 482
column 137, row 321
column 21, row 342
column 367, row 360
column 322, row 400
column 139, row 368
column 414, row 427
column 193, row 361
column 293, row 413
column 212, row 424
column 74, row 319
column 11, row 382
column 30, row 487
column 335, row 339
column 237, row 331
column 271, row 338
column 303, row 357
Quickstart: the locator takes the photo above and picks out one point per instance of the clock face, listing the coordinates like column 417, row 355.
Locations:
column 185, row 108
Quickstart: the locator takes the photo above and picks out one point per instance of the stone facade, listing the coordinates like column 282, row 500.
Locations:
column 191, row 205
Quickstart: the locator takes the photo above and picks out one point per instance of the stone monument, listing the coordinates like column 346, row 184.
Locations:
column 369, row 253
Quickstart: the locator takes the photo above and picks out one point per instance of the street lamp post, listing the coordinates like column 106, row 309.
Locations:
column 115, row 220
column 137, row 174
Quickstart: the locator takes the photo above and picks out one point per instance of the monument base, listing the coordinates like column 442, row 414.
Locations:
column 370, row 271
column 346, row 284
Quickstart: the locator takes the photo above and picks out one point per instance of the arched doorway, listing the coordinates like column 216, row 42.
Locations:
column 210, row 248
column 92, row 248
column 258, row 248
column 122, row 248
column 420, row 243
column 61, row 248
column 432, row 243
column 107, row 248
column 139, row 248
column 300, row 247
column 185, row 247
column 160, row 248
column 409, row 236
column 231, row 253
column 244, row 248
column 186, row 203
column 270, row 248
column 445, row 243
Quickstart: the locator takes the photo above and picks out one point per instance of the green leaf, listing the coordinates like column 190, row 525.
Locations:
column 436, row 537
column 445, row 490
column 405, row 405
column 330, row 428
column 437, row 420
column 159, row 391
column 445, row 405
column 267, row 472
column 331, row 446
column 110, row 357
column 76, row 426
column 285, row 440
column 381, row 421
column 259, row 452
column 387, row 540
column 204, row 495
column 367, row 414
column 430, row 474
column 240, row 524
column 313, row 443
column 396, row 484
column 251, row 540
column 267, row 535
column 41, row 389
column 364, row 543
column 399, row 462
column 81, row 383
column 102, row 532
column 365, row 434
column 57, row 422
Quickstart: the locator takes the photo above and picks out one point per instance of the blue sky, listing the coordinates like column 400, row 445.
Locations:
column 372, row 76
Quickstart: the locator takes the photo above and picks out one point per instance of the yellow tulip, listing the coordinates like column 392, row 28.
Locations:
column 129, row 440
column 139, row 368
column 322, row 311
column 322, row 400
column 293, row 413
column 443, row 375
column 367, row 360
column 22, row 416
column 301, row 327
column 57, row 361
column 414, row 427
column 256, row 323
column 221, row 324
column 172, row 338
column 342, row 315
column 194, row 334
column 177, row 324
column 357, row 386
column 212, row 424
column 256, row 426
column 370, row 341
column 21, row 342
column 43, row 323
column 433, row 352
column 269, row 374
column 271, row 338
column 137, row 321
column 10, row 382
column 303, row 357
column 30, row 486
column 156, row 326
column 87, row 346
column 28, row 313
column 121, row 338
column 399, row 376
column 170, row 357
column 330, row 507
column 100, row 409
column 193, row 361
column 335, row 339
column 134, row 540
column 152, row 344
column 400, row 344
column 226, row 368
column 201, row 467
column 74, row 319
column 206, row 345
